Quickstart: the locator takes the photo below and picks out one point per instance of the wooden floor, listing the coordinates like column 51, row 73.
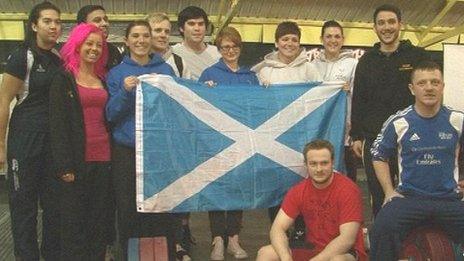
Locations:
column 255, row 231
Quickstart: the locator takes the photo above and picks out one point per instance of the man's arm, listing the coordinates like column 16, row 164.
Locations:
column 279, row 240
column 382, row 170
column 341, row 244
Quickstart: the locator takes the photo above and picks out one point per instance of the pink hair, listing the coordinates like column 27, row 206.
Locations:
column 70, row 50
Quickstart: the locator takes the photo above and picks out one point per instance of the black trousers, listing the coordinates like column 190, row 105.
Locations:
column 375, row 189
column 30, row 182
column 225, row 223
column 130, row 222
column 111, row 224
column 350, row 163
column 399, row 216
column 84, row 206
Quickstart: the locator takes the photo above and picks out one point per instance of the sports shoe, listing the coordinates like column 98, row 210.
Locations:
column 109, row 253
column 218, row 249
column 234, row 248
column 181, row 254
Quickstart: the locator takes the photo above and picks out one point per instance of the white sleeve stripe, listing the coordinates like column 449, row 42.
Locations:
column 392, row 118
column 457, row 120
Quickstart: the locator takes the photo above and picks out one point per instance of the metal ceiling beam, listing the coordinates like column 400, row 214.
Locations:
column 221, row 11
column 229, row 16
column 437, row 19
column 456, row 31
column 235, row 20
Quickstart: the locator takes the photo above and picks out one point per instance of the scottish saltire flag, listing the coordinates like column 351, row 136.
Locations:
column 228, row 147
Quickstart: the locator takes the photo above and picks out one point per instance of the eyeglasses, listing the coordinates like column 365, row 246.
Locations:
column 227, row 48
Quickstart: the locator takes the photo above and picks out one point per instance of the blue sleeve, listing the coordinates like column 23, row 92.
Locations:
column 385, row 145
column 166, row 69
column 172, row 73
column 204, row 76
column 120, row 101
column 254, row 79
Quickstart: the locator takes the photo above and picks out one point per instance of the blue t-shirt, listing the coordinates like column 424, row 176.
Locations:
column 426, row 150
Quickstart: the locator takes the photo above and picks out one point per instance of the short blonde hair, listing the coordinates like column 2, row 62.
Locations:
column 230, row 34
column 157, row 17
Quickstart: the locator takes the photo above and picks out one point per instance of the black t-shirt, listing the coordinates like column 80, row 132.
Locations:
column 31, row 112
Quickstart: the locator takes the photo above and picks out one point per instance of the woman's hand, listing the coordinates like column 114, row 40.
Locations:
column 210, row 84
column 130, row 83
column 346, row 87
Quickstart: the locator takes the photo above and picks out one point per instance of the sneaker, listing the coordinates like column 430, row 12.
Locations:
column 234, row 248
column 218, row 249
column 181, row 254
column 109, row 253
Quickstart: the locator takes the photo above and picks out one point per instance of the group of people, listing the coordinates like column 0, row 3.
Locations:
column 71, row 138
column 410, row 144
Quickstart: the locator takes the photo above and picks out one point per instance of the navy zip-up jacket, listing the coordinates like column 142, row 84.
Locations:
column 120, row 109
column 221, row 74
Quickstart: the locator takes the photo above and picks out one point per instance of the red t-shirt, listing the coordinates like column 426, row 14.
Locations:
column 97, row 142
column 324, row 210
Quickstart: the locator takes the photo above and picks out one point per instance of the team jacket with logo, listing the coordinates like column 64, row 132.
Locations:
column 31, row 110
column 426, row 149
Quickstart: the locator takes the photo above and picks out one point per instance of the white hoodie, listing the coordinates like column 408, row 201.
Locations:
column 273, row 71
column 341, row 69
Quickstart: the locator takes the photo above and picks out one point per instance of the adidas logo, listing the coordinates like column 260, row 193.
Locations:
column 414, row 137
column 40, row 69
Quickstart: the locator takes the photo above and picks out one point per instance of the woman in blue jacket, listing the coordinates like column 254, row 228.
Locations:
column 121, row 81
column 227, row 71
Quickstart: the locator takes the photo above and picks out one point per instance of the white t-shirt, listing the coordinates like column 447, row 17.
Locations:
column 197, row 62
column 168, row 56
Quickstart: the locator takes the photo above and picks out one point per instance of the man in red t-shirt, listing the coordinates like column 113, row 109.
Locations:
column 331, row 205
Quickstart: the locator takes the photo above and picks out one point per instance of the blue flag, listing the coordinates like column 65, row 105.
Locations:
column 228, row 147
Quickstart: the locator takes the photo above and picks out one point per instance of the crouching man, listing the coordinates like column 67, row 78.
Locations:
column 331, row 205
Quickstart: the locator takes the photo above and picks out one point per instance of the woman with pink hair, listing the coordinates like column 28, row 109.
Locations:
column 80, row 144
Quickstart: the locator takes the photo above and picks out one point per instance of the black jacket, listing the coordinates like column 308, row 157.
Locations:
column 114, row 56
column 381, row 87
column 67, row 130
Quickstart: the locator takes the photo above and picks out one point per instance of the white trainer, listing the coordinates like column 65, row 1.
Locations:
column 234, row 248
column 217, row 253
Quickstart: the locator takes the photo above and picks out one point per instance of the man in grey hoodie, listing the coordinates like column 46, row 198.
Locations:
column 335, row 64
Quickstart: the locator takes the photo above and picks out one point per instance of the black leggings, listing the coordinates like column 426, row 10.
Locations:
column 130, row 222
column 84, row 213
column 225, row 223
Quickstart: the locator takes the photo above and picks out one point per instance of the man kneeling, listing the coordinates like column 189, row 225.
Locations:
column 331, row 205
